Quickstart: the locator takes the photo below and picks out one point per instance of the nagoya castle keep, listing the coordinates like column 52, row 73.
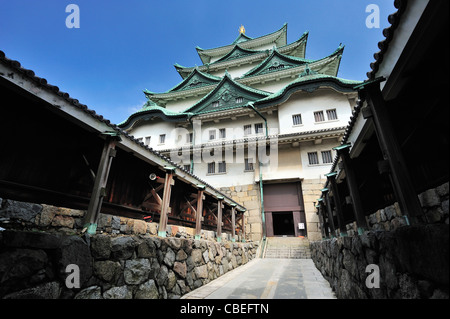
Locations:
column 258, row 120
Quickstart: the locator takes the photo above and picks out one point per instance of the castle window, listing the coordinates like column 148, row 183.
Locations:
column 147, row 140
column 313, row 158
column 239, row 99
column 162, row 138
column 332, row 115
column 215, row 104
column 211, row 168
column 318, row 116
column 247, row 130
column 189, row 138
column 276, row 67
column 222, row 167
column 259, row 128
column 249, row 164
column 297, row 119
column 212, row 134
column 326, row 157
column 222, row 133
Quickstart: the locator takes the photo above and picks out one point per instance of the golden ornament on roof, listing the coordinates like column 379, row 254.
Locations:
column 242, row 29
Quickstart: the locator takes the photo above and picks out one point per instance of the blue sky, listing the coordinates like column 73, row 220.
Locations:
column 123, row 47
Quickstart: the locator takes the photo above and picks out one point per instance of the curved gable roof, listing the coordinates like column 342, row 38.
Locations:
column 280, row 36
column 228, row 94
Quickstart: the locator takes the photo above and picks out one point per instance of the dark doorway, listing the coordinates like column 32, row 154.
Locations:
column 283, row 224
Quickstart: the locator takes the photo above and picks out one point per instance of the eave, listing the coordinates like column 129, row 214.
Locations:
column 296, row 49
column 308, row 83
column 279, row 37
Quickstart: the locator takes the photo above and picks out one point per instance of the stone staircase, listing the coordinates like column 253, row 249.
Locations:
column 287, row 247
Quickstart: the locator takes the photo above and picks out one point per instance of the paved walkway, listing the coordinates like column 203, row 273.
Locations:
column 273, row 278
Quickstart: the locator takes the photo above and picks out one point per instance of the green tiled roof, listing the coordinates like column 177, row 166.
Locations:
column 228, row 94
column 194, row 80
column 150, row 109
column 309, row 83
column 274, row 62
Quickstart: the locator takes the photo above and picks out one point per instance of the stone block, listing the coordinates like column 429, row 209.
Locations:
column 136, row 271
column 107, row 270
column 139, row 226
column 147, row 290
column 101, row 246
column 429, row 198
column 122, row 292
column 63, row 221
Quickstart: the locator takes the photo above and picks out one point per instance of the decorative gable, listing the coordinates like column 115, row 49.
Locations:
column 275, row 62
column 194, row 80
column 236, row 53
column 228, row 94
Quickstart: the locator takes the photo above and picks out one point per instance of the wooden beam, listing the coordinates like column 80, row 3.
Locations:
column 325, row 193
column 352, row 184
column 168, row 182
column 199, row 212
column 233, row 223
column 337, row 203
column 98, row 192
column 387, row 138
column 219, row 218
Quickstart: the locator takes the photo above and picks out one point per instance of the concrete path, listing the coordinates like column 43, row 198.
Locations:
column 273, row 278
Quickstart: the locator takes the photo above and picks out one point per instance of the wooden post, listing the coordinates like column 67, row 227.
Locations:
column 199, row 212
column 233, row 222
column 322, row 218
column 337, row 203
column 330, row 211
column 401, row 180
column 350, row 177
column 243, row 226
column 219, row 218
column 99, row 189
column 165, row 206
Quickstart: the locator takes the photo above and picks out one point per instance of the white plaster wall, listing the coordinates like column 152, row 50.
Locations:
column 235, row 128
column 154, row 129
column 306, row 104
column 235, row 175
column 181, row 105
column 316, row 171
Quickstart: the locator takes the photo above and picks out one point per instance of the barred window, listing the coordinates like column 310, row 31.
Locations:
column 211, row 168
column 249, row 164
column 215, row 104
column 259, row 128
column 247, row 129
column 162, row 138
column 222, row 133
column 212, row 134
column 187, row 167
column 318, row 116
column 326, row 157
column 313, row 158
column 189, row 137
column 222, row 167
column 332, row 115
column 297, row 119
column 239, row 99
column 147, row 140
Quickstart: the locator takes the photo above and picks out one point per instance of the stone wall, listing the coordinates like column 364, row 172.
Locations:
column 33, row 265
column 413, row 262
column 248, row 196
column 434, row 203
column 311, row 189
column 52, row 219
